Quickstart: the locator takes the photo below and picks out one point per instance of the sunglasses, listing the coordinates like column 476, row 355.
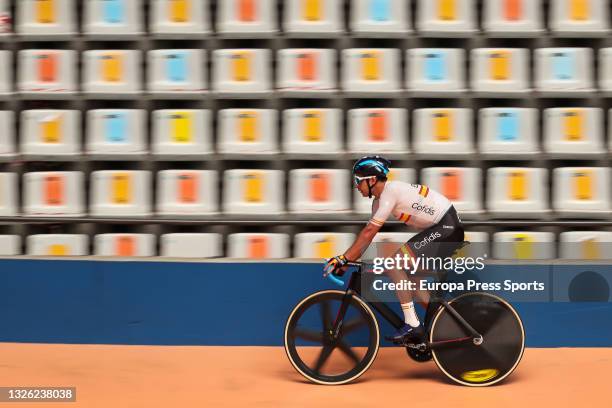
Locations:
column 357, row 179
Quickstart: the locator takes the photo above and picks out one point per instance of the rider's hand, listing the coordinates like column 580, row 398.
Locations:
column 335, row 266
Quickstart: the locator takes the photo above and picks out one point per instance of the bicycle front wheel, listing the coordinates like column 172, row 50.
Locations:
column 501, row 349
column 318, row 354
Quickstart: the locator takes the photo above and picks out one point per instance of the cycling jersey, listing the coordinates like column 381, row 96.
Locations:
column 413, row 204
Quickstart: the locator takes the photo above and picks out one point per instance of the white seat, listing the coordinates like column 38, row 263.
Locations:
column 8, row 194
column 478, row 247
column 58, row 194
column 124, row 245
column 6, row 72
column 526, row 245
column 10, row 245
column 461, row 185
column 315, row 190
column 257, row 246
column 500, row 71
column 187, row 192
column 378, row 130
column 7, row 133
column 179, row 17
column 242, row 71
column 120, row 193
column 311, row 245
column 435, row 71
column 191, row 245
column 57, row 245
column 363, row 205
column 582, row 191
column 573, row 131
column 246, row 18
column 610, row 129
column 374, row 72
column 247, row 131
column 312, row 131
column 113, row 19
column 182, row 132
column 446, row 132
column 116, row 132
column 448, row 18
column 313, row 17
column 380, row 17
column 50, row 132
column 605, row 69
column 253, row 191
column 516, row 18
column 176, row 71
column 585, row 245
column 564, row 71
column 112, row 72
column 47, row 71
column 307, row 70
column 517, row 192
column 579, row 17
column 509, row 132
column 46, row 17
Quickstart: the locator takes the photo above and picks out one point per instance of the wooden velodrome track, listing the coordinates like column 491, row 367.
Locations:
column 161, row 376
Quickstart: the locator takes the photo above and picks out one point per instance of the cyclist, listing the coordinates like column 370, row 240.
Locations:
column 413, row 204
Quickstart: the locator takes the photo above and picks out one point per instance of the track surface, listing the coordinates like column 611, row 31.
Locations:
column 153, row 376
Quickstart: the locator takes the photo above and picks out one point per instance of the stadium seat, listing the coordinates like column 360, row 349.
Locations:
column 46, row 18
column 588, row 245
column 605, row 70
column 248, row 18
column 461, row 185
column 574, row 131
column 582, row 191
column 312, row 131
column 435, row 71
column 187, row 192
column 363, row 205
column 446, row 18
column 516, row 18
column 508, row 132
column 242, row 71
column 371, row 72
column 47, row 71
column 113, row 19
column 191, row 245
column 116, row 132
column 517, row 192
column 176, row 72
column 120, row 193
column 50, row 133
column 253, row 191
column 317, row 245
column 247, row 131
column 319, row 190
column 8, row 194
column 384, row 18
column 378, row 130
column 307, row 70
column 58, row 194
column 579, row 17
column 179, row 18
column 7, row 133
column 445, row 132
column 112, row 72
column 500, row 71
column 181, row 132
column 10, row 245
column 564, row 71
column 524, row 245
column 6, row 73
column 124, row 245
column 57, row 245
column 610, row 129
column 257, row 246
column 313, row 17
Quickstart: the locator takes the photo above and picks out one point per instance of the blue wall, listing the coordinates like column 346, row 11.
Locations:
column 111, row 302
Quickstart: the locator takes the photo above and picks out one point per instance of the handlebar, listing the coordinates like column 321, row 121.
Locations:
column 339, row 281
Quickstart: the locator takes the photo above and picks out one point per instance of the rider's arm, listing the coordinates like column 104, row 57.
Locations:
column 362, row 242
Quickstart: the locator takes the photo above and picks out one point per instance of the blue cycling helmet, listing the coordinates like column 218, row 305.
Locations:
column 370, row 167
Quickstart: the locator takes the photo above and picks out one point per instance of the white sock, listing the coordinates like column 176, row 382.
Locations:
column 410, row 316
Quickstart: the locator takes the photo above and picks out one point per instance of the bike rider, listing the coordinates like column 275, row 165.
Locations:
column 413, row 204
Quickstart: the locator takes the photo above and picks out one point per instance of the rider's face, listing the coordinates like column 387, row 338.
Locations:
column 363, row 187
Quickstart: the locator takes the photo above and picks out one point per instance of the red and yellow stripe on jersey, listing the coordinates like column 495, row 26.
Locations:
column 424, row 190
column 405, row 249
column 404, row 218
column 376, row 222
